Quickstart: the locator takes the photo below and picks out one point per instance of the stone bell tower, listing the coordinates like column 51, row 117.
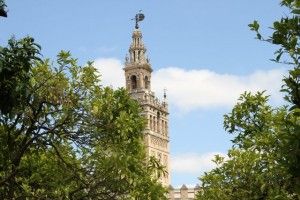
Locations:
column 138, row 82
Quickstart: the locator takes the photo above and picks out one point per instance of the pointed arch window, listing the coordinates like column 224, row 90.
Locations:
column 133, row 82
column 139, row 56
column 158, row 122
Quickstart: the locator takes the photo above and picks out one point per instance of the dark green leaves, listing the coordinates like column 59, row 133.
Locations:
column 3, row 12
column 255, row 27
column 15, row 64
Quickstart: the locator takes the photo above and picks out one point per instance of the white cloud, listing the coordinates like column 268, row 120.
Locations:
column 111, row 72
column 191, row 163
column 193, row 89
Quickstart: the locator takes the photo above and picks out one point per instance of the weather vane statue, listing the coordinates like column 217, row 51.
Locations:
column 138, row 17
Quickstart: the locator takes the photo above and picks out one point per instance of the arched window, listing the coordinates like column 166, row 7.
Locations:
column 158, row 122
column 139, row 55
column 154, row 124
column 146, row 80
column 133, row 82
column 151, row 123
column 166, row 128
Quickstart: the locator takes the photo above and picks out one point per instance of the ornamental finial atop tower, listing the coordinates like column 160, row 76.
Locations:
column 138, row 17
column 137, row 49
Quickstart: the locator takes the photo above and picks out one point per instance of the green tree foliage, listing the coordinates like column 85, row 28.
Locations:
column 63, row 136
column 15, row 63
column 287, row 35
column 264, row 162
column 255, row 166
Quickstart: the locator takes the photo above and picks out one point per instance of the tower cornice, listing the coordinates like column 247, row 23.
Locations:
column 131, row 66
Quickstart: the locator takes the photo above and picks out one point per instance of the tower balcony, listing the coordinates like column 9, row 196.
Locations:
column 146, row 97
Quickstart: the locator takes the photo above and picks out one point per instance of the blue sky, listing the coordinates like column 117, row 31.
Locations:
column 202, row 51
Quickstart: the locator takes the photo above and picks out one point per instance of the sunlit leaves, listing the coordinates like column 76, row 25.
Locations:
column 255, row 166
column 70, row 138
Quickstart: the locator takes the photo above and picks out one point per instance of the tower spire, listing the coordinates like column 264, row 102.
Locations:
column 137, row 65
column 138, row 82
column 137, row 48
